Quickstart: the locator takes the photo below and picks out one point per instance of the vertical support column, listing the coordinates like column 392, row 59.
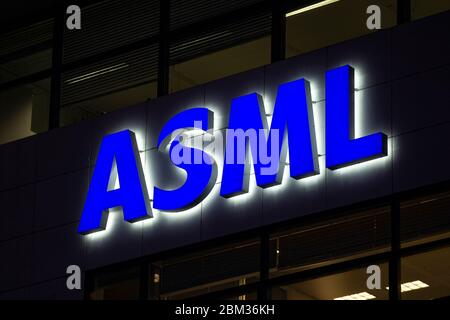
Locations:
column 403, row 11
column 164, row 42
column 144, row 281
column 394, row 260
column 264, row 265
column 278, row 43
column 55, row 86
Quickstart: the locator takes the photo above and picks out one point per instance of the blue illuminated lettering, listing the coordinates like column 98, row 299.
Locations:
column 342, row 149
column 248, row 134
column 132, row 194
column 292, row 119
column 201, row 175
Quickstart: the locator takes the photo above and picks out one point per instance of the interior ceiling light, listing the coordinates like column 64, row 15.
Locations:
column 413, row 285
column 96, row 73
column 357, row 296
column 311, row 7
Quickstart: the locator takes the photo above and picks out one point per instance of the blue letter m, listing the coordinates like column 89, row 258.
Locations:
column 292, row 120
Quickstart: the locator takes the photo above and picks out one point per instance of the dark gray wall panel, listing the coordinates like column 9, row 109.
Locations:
column 419, row 46
column 369, row 55
column 421, row 157
column 64, row 150
column 54, row 250
column 364, row 181
column 295, row 198
column 119, row 242
column 19, row 294
column 16, row 218
column 168, row 230
column 54, row 290
column 15, row 266
column 60, row 200
column 373, row 111
column 222, row 216
column 18, row 163
column 421, row 100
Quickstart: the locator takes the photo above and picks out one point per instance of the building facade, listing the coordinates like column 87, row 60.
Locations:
column 134, row 66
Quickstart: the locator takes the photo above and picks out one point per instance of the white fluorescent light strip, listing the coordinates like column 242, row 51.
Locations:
column 311, row 7
column 193, row 42
column 97, row 73
column 413, row 285
column 357, row 296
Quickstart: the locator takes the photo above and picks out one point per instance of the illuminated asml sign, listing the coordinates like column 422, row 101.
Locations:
column 291, row 132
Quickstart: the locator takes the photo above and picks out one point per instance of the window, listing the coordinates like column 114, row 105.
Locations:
column 116, row 285
column 220, row 64
column 24, row 110
column 26, row 65
column 205, row 272
column 24, row 105
column 426, row 275
column 425, row 218
column 216, row 51
column 104, row 86
column 420, row 8
column 333, row 22
column 111, row 24
column 347, row 285
column 331, row 240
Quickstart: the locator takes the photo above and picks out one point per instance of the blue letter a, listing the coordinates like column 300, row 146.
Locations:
column 132, row 194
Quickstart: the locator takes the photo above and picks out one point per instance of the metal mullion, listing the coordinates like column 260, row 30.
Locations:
column 164, row 43
column 394, row 259
column 403, row 11
column 55, row 87
column 278, row 34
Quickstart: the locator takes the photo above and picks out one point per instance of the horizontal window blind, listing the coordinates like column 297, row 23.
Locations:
column 110, row 75
column 210, row 268
column 227, row 35
column 111, row 24
column 337, row 238
column 425, row 216
column 26, row 37
column 185, row 12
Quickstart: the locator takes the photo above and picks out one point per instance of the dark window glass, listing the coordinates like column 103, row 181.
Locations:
column 25, row 65
column 425, row 218
column 330, row 22
column 116, row 285
column 348, row 285
column 205, row 272
column 24, row 108
column 110, row 84
column 331, row 240
column 185, row 12
column 219, row 51
column 107, row 25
